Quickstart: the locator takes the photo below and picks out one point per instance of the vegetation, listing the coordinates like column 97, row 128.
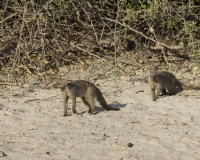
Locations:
column 41, row 35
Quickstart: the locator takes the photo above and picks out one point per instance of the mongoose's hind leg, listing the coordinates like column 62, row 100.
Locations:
column 171, row 91
column 74, row 105
column 86, row 103
column 90, row 101
column 164, row 92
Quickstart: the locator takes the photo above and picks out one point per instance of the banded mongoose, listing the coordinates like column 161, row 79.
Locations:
column 166, row 83
column 84, row 89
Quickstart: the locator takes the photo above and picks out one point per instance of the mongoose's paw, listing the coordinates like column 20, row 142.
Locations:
column 89, row 112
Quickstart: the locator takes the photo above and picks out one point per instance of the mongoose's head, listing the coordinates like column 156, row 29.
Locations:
column 59, row 83
column 153, row 76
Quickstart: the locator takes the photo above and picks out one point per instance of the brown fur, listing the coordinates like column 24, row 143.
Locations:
column 166, row 83
column 84, row 89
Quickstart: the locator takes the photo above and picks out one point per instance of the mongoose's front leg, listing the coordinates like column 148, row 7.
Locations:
column 74, row 105
column 65, row 101
column 157, row 94
column 153, row 94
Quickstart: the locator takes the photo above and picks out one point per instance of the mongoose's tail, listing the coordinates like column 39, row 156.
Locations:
column 103, row 102
column 190, row 87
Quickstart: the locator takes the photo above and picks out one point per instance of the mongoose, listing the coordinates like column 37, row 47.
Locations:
column 84, row 89
column 166, row 83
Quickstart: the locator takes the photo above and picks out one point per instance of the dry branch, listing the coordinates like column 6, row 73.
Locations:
column 43, row 34
column 159, row 45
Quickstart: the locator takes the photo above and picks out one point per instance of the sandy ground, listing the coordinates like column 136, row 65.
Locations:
column 32, row 125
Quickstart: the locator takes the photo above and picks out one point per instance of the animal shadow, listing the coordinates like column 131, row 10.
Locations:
column 115, row 105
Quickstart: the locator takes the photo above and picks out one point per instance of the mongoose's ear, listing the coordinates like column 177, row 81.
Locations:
column 68, row 82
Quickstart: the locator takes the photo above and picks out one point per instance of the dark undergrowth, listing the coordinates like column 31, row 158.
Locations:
column 41, row 35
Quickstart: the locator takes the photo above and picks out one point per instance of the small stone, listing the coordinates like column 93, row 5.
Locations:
column 184, row 123
column 130, row 145
column 47, row 153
